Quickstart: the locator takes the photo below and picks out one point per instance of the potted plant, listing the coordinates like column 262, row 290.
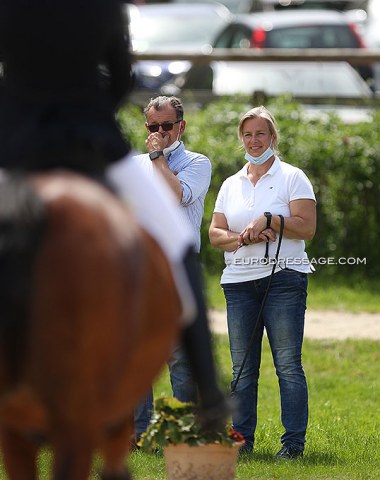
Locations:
column 189, row 451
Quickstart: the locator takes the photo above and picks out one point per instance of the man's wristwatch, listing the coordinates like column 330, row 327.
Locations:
column 268, row 215
column 156, row 154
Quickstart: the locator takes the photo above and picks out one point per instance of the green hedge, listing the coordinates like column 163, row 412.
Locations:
column 341, row 160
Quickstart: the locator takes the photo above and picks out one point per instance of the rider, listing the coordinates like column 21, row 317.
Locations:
column 67, row 69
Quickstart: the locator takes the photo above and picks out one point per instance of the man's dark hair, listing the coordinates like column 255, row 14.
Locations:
column 159, row 102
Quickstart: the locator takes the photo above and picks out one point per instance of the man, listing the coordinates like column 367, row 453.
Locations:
column 188, row 175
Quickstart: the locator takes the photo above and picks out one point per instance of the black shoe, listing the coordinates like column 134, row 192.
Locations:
column 245, row 451
column 289, row 453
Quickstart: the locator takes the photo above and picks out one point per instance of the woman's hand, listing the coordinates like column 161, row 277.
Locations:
column 256, row 232
column 223, row 238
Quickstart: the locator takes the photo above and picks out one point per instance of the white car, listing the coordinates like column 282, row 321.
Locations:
column 167, row 27
column 335, row 82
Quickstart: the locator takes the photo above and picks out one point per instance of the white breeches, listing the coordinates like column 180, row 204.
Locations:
column 157, row 211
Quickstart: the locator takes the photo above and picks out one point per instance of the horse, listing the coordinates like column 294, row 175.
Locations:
column 89, row 314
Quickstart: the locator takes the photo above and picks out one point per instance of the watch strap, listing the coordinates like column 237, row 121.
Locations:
column 156, row 154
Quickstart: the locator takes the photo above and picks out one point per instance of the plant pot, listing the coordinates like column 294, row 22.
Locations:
column 205, row 462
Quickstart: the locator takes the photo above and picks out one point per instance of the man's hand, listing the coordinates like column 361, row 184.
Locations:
column 156, row 141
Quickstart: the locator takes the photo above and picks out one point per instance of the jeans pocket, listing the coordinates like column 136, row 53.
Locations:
column 293, row 279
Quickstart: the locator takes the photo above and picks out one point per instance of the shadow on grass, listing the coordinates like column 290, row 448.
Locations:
column 309, row 459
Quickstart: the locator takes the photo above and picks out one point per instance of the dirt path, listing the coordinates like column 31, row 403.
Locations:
column 323, row 324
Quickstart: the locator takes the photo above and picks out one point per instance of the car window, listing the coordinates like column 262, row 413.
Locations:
column 337, row 36
column 236, row 36
column 241, row 38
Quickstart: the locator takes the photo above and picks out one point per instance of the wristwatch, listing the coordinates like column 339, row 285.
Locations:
column 156, row 154
column 268, row 215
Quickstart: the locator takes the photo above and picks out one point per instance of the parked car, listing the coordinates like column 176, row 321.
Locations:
column 371, row 33
column 294, row 29
column 333, row 81
column 235, row 6
column 162, row 28
column 247, row 6
column 338, row 5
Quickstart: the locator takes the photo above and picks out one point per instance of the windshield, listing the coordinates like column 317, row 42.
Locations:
column 312, row 36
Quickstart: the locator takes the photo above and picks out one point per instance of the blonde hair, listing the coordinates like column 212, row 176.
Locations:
column 264, row 113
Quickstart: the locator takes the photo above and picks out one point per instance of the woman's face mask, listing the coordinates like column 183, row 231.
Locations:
column 269, row 152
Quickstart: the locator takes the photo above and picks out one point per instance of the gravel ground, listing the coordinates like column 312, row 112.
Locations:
column 323, row 324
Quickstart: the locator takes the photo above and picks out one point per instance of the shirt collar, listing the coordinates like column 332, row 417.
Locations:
column 180, row 149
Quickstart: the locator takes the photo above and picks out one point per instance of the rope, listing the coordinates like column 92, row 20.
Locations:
column 233, row 387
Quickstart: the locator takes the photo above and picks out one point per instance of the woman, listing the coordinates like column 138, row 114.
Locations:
column 248, row 214
column 67, row 69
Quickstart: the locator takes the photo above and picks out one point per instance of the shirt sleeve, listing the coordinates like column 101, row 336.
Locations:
column 195, row 179
column 220, row 199
column 301, row 187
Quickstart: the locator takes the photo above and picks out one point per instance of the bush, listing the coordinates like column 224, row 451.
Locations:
column 341, row 160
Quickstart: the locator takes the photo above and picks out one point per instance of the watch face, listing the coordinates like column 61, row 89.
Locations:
column 154, row 155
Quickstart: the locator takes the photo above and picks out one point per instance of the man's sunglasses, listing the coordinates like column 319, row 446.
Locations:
column 166, row 126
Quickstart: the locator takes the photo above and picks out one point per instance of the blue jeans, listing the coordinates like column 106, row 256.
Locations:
column 183, row 386
column 143, row 414
column 283, row 318
column 181, row 379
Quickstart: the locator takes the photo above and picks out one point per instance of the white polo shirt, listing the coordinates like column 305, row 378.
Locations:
column 241, row 202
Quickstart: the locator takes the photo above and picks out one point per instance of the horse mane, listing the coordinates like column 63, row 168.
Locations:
column 22, row 223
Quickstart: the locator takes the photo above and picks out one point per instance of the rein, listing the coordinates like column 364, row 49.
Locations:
column 233, row 387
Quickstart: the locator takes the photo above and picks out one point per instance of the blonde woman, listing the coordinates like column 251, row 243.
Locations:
column 248, row 214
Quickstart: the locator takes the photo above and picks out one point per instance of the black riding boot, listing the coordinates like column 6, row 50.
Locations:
column 196, row 339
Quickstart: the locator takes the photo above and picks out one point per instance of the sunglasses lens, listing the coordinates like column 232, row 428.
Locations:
column 167, row 126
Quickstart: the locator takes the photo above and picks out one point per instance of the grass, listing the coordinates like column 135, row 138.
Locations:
column 343, row 434
column 323, row 294
column 344, row 389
